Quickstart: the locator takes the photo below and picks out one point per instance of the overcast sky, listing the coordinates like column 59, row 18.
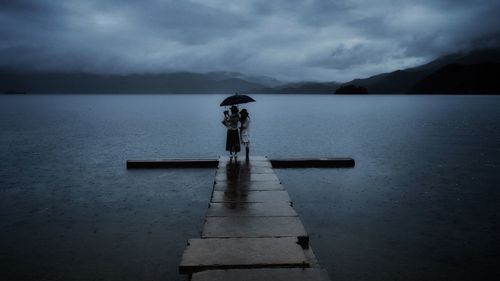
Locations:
column 287, row 39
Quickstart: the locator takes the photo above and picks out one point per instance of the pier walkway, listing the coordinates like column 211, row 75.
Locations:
column 251, row 231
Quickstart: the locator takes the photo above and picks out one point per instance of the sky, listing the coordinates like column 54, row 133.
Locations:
column 291, row 40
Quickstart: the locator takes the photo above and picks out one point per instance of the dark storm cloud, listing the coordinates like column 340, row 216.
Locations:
column 288, row 39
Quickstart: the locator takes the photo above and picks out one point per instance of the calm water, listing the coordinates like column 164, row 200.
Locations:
column 422, row 202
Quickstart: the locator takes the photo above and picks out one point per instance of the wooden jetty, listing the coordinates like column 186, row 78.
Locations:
column 251, row 231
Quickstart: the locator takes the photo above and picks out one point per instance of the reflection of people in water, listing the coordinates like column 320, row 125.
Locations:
column 237, row 185
column 233, row 136
column 245, row 131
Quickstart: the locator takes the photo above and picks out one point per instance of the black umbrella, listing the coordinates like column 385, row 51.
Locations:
column 236, row 99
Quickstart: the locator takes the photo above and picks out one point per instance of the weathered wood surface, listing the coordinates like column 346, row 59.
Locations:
column 255, row 227
column 203, row 254
column 261, row 196
column 266, row 274
column 172, row 163
column 273, row 209
column 248, row 186
column 313, row 163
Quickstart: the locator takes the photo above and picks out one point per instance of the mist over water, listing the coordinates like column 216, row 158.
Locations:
column 421, row 203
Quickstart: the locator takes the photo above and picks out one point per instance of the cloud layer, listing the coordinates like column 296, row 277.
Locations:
column 287, row 39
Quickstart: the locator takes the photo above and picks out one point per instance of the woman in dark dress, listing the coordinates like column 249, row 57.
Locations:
column 233, row 135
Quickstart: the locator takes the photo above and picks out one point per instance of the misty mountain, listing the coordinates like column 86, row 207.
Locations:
column 406, row 81
column 83, row 83
column 457, row 73
column 301, row 88
column 262, row 80
column 400, row 81
column 179, row 82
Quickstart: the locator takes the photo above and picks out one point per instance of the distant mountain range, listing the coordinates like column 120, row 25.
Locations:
column 300, row 88
column 476, row 72
column 178, row 82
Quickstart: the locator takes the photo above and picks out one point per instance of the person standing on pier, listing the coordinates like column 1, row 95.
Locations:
column 245, row 131
column 233, row 136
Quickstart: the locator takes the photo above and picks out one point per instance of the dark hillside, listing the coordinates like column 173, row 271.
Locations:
column 482, row 78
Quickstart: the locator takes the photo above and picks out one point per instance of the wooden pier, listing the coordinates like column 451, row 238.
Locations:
column 251, row 231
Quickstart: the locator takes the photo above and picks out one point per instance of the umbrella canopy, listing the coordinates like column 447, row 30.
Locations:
column 236, row 99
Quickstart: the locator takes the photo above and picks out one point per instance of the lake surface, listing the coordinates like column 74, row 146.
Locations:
column 422, row 202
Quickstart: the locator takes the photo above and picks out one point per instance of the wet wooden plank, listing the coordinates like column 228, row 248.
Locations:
column 172, row 163
column 250, row 196
column 243, row 176
column 235, row 253
column 263, row 162
column 275, row 209
column 248, row 186
column 312, row 163
column 245, row 169
column 242, row 159
column 248, row 227
column 265, row 274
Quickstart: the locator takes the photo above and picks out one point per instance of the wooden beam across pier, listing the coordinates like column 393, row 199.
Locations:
column 173, row 163
column 312, row 162
column 213, row 163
